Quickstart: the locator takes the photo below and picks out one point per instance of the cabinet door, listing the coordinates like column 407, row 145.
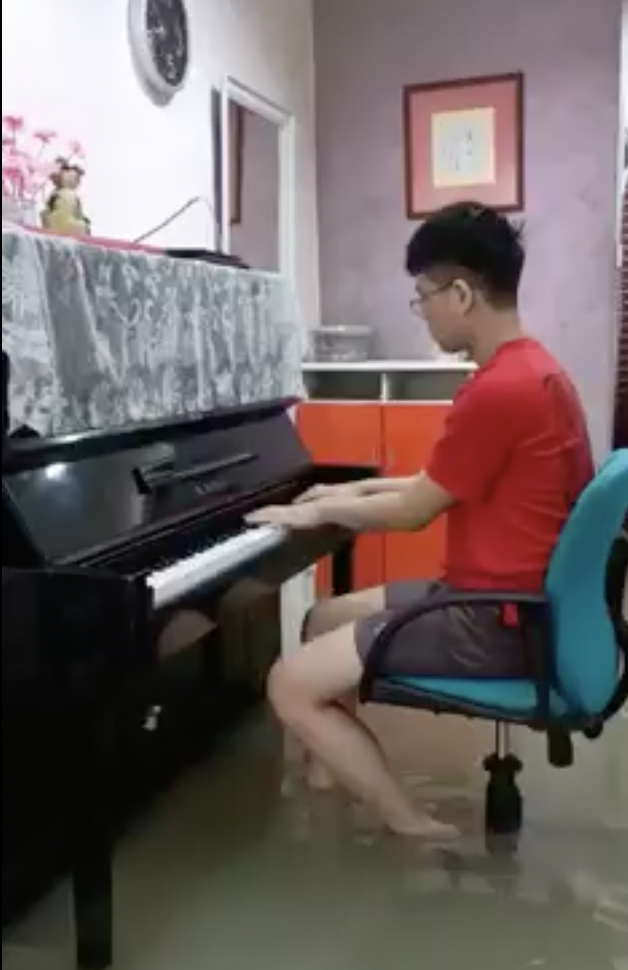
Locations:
column 410, row 432
column 342, row 434
column 347, row 434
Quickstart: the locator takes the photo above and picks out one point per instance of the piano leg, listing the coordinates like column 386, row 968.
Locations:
column 92, row 879
column 100, row 659
column 342, row 569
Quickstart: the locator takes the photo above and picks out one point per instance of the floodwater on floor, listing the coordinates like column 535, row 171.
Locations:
column 242, row 868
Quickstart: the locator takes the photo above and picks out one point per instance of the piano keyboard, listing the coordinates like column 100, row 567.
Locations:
column 181, row 578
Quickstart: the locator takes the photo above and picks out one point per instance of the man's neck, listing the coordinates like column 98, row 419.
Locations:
column 502, row 327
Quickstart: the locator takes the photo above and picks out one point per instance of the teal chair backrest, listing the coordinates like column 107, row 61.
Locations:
column 586, row 651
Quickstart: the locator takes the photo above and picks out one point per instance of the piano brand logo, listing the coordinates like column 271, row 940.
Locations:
column 202, row 489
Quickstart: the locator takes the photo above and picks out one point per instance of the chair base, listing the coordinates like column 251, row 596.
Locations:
column 504, row 803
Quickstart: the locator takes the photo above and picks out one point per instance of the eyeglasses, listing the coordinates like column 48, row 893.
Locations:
column 417, row 304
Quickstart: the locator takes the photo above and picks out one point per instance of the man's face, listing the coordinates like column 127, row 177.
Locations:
column 446, row 308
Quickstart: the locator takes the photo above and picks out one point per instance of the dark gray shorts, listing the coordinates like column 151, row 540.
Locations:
column 456, row 642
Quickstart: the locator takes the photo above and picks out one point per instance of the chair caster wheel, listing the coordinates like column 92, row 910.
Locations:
column 503, row 847
column 504, row 802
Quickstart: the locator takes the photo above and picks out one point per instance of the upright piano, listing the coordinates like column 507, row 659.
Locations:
column 106, row 537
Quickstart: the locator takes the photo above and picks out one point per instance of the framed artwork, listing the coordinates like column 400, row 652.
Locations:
column 464, row 141
column 236, row 160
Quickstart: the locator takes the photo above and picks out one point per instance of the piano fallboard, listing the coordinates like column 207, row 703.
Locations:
column 88, row 499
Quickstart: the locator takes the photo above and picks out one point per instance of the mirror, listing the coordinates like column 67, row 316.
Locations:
column 254, row 193
column 257, row 182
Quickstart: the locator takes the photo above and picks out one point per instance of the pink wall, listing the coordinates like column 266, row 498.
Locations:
column 366, row 50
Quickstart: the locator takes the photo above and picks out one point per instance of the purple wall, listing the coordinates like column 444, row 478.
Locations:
column 366, row 50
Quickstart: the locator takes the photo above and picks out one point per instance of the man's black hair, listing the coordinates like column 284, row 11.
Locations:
column 474, row 241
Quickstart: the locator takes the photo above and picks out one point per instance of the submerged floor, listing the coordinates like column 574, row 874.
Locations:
column 242, row 869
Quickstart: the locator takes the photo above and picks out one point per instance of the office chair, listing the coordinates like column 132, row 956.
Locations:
column 576, row 641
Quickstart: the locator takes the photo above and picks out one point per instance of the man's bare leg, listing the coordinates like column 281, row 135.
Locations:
column 304, row 690
column 325, row 617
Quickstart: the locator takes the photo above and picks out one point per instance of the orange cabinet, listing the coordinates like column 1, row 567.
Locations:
column 410, row 432
column 347, row 434
column 342, row 434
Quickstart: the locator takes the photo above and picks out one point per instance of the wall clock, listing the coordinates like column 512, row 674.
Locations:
column 160, row 45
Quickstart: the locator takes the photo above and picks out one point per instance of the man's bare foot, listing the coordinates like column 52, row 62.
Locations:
column 426, row 827
column 317, row 775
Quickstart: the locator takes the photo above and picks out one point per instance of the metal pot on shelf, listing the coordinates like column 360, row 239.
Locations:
column 341, row 344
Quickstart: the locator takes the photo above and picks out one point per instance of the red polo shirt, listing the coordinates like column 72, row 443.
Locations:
column 515, row 456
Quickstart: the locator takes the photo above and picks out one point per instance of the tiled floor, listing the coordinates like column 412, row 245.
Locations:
column 239, row 870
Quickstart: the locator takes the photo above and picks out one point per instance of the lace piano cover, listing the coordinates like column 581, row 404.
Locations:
column 101, row 337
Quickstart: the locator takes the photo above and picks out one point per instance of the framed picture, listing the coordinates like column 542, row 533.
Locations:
column 236, row 157
column 464, row 141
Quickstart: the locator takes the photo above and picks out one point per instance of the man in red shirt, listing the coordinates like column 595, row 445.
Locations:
column 513, row 459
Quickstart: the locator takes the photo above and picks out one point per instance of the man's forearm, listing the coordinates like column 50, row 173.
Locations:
column 388, row 511
column 381, row 486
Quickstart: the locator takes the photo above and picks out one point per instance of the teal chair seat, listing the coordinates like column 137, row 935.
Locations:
column 574, row 636
column 517, row 699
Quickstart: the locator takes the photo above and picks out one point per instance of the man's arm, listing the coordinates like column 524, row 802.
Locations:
column 367, row 486
column 385, row 486
column 405, row 507
column 463, row 467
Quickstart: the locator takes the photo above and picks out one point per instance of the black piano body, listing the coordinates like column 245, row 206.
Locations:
column 106, row 537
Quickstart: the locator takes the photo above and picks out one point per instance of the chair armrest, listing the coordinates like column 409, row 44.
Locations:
column 536, row 636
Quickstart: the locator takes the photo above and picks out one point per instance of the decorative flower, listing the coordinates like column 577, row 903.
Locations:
column 30, row 159
column 76, row 150
column 45, row 136
column 13, row 123
column 12, row 181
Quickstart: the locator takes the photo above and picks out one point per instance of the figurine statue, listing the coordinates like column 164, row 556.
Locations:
column 64, row 212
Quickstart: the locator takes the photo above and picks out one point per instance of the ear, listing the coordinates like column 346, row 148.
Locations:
column 465, row 294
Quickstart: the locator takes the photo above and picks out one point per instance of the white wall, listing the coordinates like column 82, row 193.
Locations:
column 66, row 65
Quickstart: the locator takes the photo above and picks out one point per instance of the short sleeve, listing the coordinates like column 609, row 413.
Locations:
column 477, row 441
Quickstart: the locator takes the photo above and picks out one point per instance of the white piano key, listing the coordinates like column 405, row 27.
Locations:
column 181, row 578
